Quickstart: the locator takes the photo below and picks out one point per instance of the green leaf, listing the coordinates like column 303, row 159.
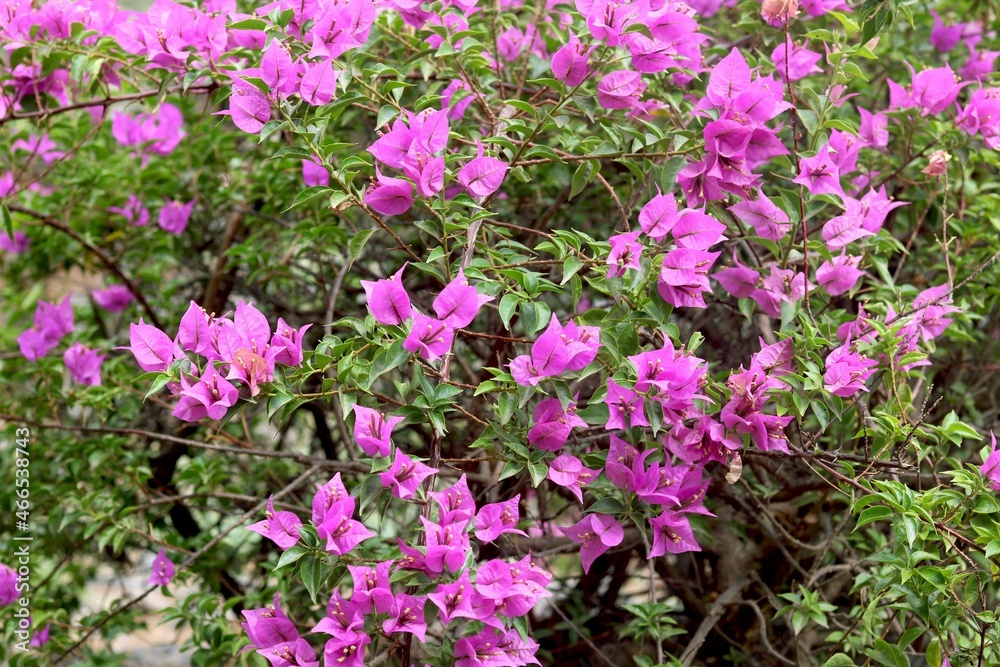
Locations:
column 538, row 471
column 291, row 555
column 872, row 514
column 611, row 506
column 359, row 241
column 385, row 114
column 309, row 194
column 582, row 176
column 839, row 660
column 8, row 223
column 507, row 306
column 885, row 653
column 248, row 24
column 570, row 268
column 312, row 576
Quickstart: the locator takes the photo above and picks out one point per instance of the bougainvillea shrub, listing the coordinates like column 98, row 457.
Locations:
column 388, row 332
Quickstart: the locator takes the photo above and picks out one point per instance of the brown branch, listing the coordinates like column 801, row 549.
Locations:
column 100, row 254
column 108, row 101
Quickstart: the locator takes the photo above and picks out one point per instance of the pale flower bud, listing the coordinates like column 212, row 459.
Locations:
column 779, row 12
column 937, row 164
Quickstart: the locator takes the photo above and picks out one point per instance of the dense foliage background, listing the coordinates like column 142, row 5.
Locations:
column 731, row 345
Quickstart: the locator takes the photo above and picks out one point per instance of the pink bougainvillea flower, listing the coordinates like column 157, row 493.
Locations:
column 495, row 519
column 249, row 108
column 568, row 471
column 767, row 220
column 195, row 333
column 738, row 280
column 728, row 79
column 840, row 275
column 134, row 212
column 427, row 172
column 455, row 503
column 268, row 626
column 582, row 344
column 454, row 600
column 626, row 252
column 389, row 196
column 684, row 277
column 447, row 545
column 672, row 533
column 407, row 615
column 336, row 525
column 552, row 424
column 483, row 175
column 819, row 174
column 697, row 231
column 932, row 90
column 620, row 89
column 372, row 431
column 458, row 303
column 405, row 475
column 344, row 617
column 625, row 407
column 392, row 147
column 314, row 173
column 282, row 528
column 41, row 147
column 40, row 638
column 991, row 466
column 429, row 337
column 114, row 299
column 158, row 132
column 345, row 649
column 596, row 533
column 83, row 364
column 847, row 371
column 945, row 37
column 16, row 244
column 569, row 63
column 8, row 586
column 174, row 216
column 659, row 215
column 493, row 580
column 163, row 570
column 841, row 230
column 210, row 397
column 286, row 343
column 779, row 286
column 495, row 647
column 626, row 466
column 278, row 70
column 372, row 591
column 874, row 130
column 51, row 323
column 549, row 353
column 319, row 83
column 800, row 64
column 153, row 350
column 388, row 301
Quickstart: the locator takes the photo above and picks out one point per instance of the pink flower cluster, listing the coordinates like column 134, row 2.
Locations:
column 158, row 133
column 558, row 350
column 744, row 413
column 456, row 306
column 498, row 592
column 848, row 369
column 242, row 347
